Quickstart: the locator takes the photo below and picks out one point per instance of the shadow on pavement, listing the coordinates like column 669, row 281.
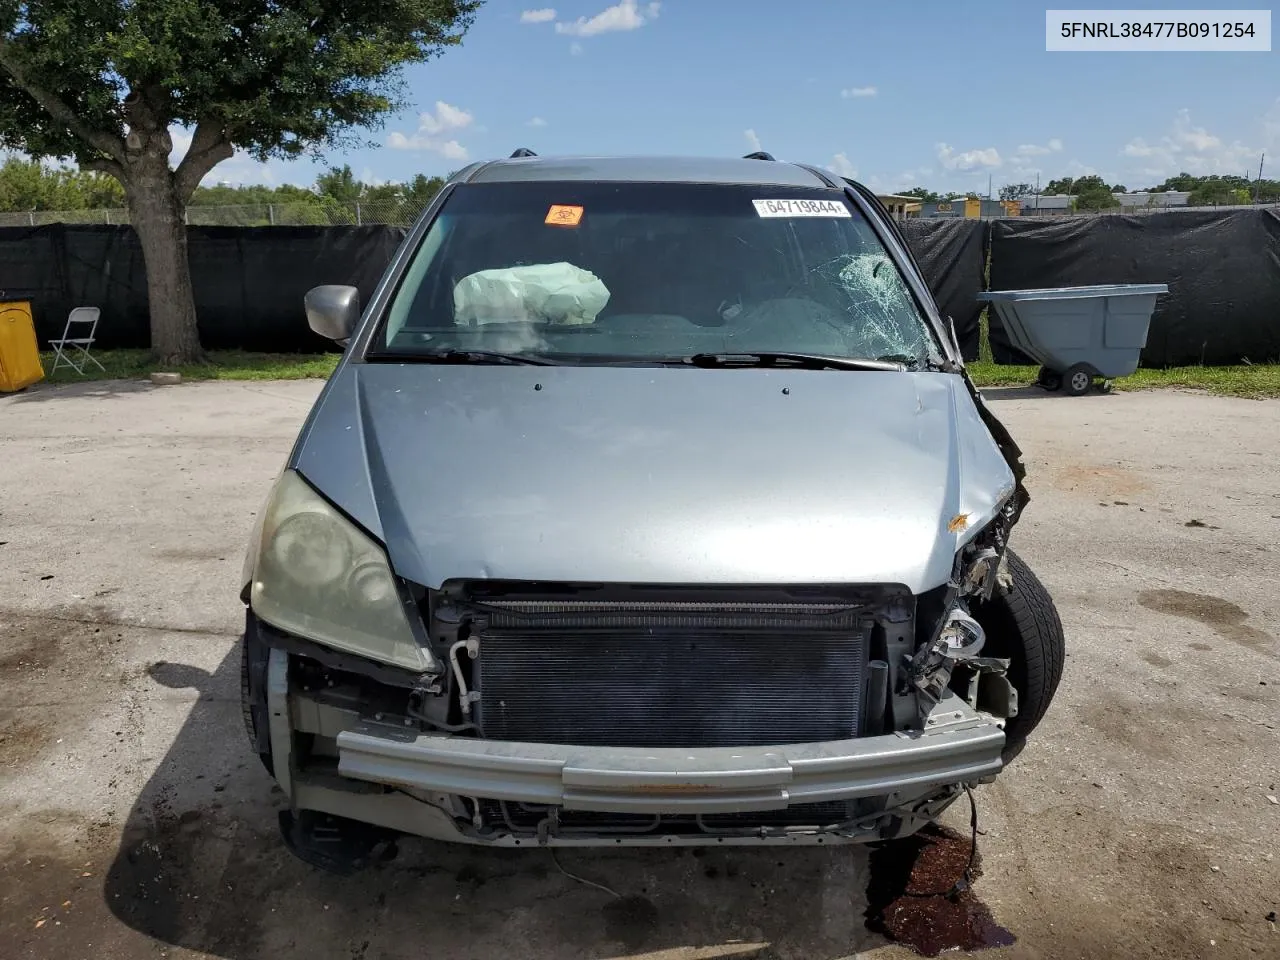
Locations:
column 100, row 389
column 1030, row 391
column 201, row 866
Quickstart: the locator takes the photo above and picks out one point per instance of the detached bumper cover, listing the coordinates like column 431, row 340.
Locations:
column 957, row 746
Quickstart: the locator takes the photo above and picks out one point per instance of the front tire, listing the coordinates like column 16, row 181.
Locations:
column 1023, row 626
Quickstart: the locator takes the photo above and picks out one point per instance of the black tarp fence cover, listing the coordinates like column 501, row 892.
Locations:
column 1222, row 268
column 952, row 254
column 248, row 281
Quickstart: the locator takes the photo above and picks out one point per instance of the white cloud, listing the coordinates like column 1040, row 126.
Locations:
column 1137, row 147
column 181, row 138
column 575, row 49
column 544, row 15
column 626, row 15
column 536, row 122
column 987, row 157
column 851, row 93
column 444, row 119
column 434, row 128
column 449, row 149
column 1036, row 150
column 1196, row 139
column 841, row 164
column 241, row 169
column 1195, row 150
column 898, row 182
column 753, row 142
column 238, row 169
column 1271, row 126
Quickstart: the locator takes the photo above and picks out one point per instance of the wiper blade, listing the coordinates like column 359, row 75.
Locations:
column 806, row 361
column 465, row 356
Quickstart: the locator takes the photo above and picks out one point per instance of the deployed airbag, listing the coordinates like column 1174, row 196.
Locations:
column 543, row 292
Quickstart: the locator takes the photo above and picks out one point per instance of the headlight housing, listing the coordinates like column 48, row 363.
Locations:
column 318, row 576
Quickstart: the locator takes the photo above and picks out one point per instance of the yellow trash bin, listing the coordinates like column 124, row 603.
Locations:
column 19, row 352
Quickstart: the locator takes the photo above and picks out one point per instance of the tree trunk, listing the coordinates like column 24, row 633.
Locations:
column 156, row 210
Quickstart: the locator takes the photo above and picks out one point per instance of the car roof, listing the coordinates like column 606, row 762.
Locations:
column 647, row 169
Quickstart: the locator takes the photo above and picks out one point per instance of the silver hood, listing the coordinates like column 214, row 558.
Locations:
column 656, row 475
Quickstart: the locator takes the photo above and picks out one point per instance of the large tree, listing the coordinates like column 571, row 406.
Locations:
column 1016, row 191
column 103, row 82
column 924, row 194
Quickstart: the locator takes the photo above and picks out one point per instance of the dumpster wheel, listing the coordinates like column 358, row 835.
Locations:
column 1077, row 380
column 1049, row 379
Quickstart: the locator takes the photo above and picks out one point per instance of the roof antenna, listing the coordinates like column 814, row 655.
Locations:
column 523, row 152
column 758, row 155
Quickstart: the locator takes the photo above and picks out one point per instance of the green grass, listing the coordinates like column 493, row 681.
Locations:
column 222, row 365
column 1257, row 381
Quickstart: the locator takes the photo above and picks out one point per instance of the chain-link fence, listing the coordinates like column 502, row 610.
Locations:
column 325, row 211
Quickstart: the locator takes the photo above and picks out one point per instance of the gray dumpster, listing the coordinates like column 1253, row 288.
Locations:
column 1078, row 333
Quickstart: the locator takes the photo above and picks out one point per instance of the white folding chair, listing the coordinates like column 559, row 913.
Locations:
column 82, row 341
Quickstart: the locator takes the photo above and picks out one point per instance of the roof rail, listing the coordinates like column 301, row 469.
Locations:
column 758, row 155
column 523, row 152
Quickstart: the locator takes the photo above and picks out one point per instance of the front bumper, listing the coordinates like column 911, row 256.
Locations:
column 960, row 747
column 435, row 785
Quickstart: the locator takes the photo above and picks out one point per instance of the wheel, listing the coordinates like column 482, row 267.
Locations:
column 1023, row 626
column 1049, row 379
column 1077, row 380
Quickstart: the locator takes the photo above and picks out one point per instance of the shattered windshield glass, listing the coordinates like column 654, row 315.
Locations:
column 653, row 272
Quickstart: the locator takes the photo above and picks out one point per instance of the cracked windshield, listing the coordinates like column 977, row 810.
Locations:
column 653, row 273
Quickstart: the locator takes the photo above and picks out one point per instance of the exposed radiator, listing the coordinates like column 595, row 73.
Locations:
column 670, row 675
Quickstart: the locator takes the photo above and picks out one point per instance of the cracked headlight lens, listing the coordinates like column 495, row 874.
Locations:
column 319, row 576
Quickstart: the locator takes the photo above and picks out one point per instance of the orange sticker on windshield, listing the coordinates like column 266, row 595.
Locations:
column 563, row 216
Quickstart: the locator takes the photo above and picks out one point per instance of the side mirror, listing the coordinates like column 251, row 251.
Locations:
column 333, row 311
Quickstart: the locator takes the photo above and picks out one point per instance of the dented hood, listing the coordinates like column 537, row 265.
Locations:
column 656, row 475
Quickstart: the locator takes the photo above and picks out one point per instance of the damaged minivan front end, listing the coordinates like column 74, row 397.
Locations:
column 563, row 593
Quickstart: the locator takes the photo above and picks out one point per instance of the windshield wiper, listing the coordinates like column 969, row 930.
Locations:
column 805, row 361
column 464, row 356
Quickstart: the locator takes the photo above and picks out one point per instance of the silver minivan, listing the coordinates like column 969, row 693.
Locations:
column 650, row 503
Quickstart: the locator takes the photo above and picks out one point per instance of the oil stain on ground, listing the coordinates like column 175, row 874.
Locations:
column 919, row 896
column 1224, row 617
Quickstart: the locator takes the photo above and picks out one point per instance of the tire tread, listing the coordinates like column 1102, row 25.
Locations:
column 1023, row 625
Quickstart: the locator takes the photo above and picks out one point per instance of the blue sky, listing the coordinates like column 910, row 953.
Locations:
column 911, row 92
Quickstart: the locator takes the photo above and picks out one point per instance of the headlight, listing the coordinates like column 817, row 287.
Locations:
column 320, row 577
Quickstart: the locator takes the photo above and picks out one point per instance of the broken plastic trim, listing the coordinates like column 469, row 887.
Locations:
column 960, row 640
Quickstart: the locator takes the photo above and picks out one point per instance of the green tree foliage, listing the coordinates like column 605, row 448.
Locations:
column 340, row 184
column 923, row 194
column 27, row 185
column 1016, row 191
column 102, row 82
column 1093, row 193
column 1213, row 189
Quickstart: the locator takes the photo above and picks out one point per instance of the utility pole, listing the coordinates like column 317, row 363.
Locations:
column 1257, row 187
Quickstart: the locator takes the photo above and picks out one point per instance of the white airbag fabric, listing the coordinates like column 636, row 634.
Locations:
column 544, row 292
